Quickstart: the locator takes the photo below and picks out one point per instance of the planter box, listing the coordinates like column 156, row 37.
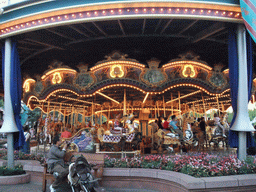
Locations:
column 16, row 179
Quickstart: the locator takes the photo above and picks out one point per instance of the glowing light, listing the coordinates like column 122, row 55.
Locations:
column 108, row 97
column 209, row 11
column 226, row 71
column 58, row 70
column 184, row 96
column 56, row 79
column 145, row 98
column 153, row 9
column 189, row 71
column 116, row 71
column 95, row 13
column 124, row 63
column 26, row 84
column 78, row 100
column 81, row 14
column 181, row 63
column 73, row 15
column 120, row 10
column 52, row 19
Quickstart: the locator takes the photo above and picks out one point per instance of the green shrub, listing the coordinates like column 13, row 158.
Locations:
column 18, row 170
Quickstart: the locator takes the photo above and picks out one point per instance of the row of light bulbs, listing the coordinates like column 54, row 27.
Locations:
column 125, row 11
column 130, row 86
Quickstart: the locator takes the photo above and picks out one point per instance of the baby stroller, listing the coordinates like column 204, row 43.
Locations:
column 80, row 177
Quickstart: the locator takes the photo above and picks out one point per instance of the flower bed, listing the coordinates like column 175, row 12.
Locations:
column 18, row 170
column 197, row 165
column 21, row 156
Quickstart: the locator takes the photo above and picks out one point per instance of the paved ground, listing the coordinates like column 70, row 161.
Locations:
column 37, row 187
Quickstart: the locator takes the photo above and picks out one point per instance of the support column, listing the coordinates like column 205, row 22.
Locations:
column 9, row 125
column 242, row 122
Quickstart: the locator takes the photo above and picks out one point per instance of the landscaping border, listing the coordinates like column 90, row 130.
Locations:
column 161, row 180
column 156, row 179
column 15, row 179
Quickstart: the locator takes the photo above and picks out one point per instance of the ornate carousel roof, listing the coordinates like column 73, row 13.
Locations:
column 180, row 84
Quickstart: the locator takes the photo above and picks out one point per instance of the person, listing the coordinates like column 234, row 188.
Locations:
column 217, row 123
column 66, row 134
column 160, row 126
column 202, row 126
column 173, row 124
column 154, row 126
column 55, row 162
column 166, row 124
column 26, row 146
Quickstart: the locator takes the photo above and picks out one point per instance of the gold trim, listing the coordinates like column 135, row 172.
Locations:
column 63, row 11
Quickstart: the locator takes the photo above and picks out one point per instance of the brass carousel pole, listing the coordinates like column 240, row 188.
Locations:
column 157, row 109
column 194, row 109
column 164, row 106
column 204, row 106
column 101, row 116
column 108, row 116
column 42, row 110
column 179, row 107
column 64, row 118
column 59, row 113
column 54, row 113
column 155, row 112
column 92, row 122
column 83, row 116
column 222, row 106
column 218, row 105
column 72, row 118
column 124, row 111
column 172, row 102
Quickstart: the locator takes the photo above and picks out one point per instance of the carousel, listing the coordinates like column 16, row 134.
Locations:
column 115, row 103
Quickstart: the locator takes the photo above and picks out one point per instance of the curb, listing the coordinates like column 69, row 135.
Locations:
column 16, row 179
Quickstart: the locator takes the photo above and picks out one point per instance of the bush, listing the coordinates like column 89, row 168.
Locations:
column 197, row 164
column 18, row 170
